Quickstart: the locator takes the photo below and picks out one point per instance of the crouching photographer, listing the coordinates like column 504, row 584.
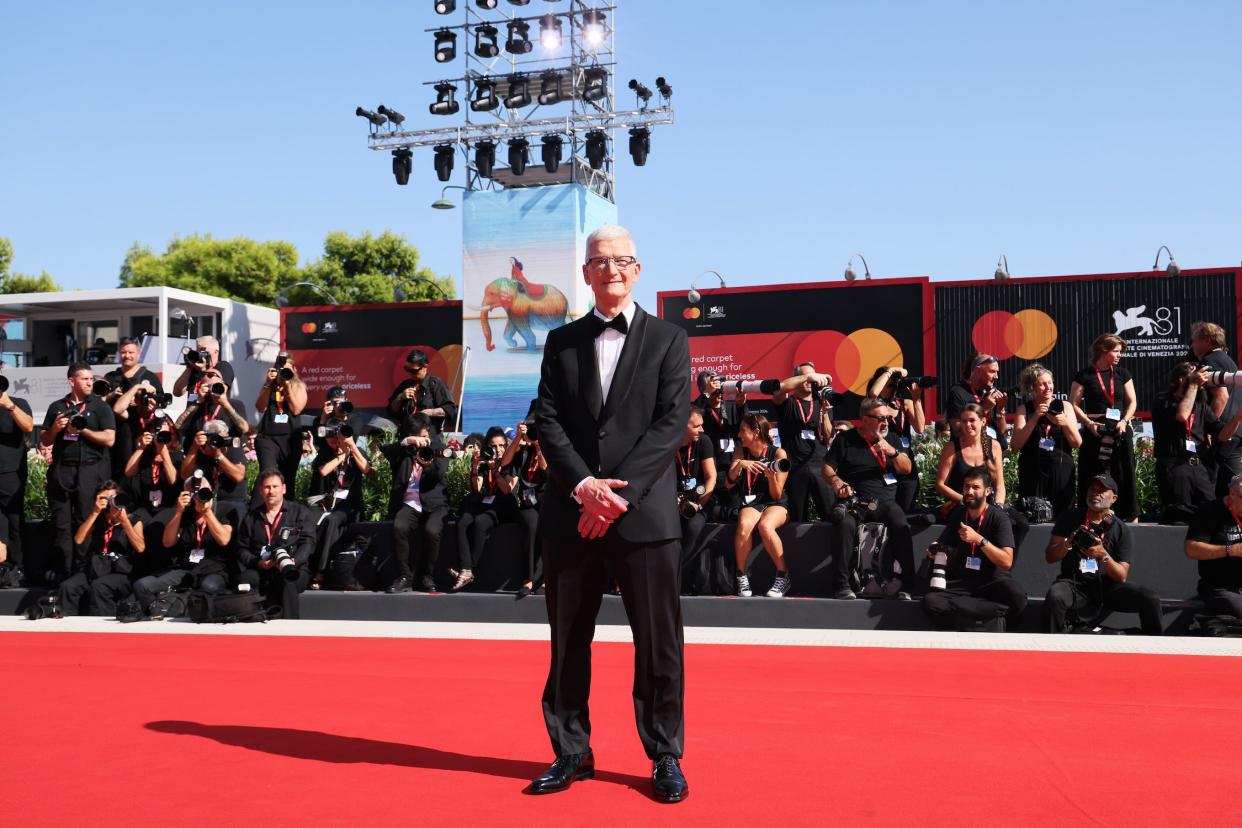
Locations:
column 1093, row 546
column 335, row 496
column 282, row 400
column 105, row 549
column 275, row 541
column 417, row 505
column 970, row 563
column 196, row 549
column 865, row 462
column 1214, row 539
column 696, row 483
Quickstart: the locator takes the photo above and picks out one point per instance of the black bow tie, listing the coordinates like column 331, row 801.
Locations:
column 617, row 323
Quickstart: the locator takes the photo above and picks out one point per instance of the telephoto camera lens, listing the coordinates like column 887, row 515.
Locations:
column 4, row 384
column 163, row 437
column 779, row 464
column 101, row 388
column 940, row 563
column 426, row 454
column 78, row 421
column 286, row 374
column 286, row 564
column 217, row 388
column 345, row 407
column 204, row 494
column 217, row 441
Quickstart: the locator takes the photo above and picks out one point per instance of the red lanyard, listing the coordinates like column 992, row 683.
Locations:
column 107, row 538
column 685, row 467
column 1111, row 393
column 199, row 531
column 1235, row 518
column 489, row 480
column 155, row 471
column 978, row 528
column 215, row 413
column 752, row 476
column 715, row 415
column 810, row 410
column 1190, row 421
column 532, row 468
column 880, row 456
column 340, row 476
column 271, row 528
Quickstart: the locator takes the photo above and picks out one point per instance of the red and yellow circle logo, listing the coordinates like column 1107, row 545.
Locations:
column 692, row 313
column 851, row 360
column 1028, row 334
column 309, row 327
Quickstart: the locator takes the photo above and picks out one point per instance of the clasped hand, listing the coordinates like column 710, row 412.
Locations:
column 600, row 506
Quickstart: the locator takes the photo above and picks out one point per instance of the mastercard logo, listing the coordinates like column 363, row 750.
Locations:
column 309, row 327
column 692, row 313
column 1028, row 334
column 851, row 359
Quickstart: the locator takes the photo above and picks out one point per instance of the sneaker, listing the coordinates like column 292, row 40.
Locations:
column 904, row 596
column 743, row 586
column 844, row 594
column 464, row 579
column 780, row 586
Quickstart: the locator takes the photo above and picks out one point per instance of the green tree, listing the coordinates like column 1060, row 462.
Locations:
column 17, row 282
column 239, row 268
column 366, row 269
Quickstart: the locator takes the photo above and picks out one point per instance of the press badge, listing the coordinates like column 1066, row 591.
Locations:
column 808, row 435
column 197, row 554
column 1047, row 444
column 487, row 501
column 1088, row 566
column 748, row 499
column 726, row 444
column 281, row 419
column 157, row 497
column 1191, row 447
column 890, row 479
column 689, row 484
column 1112, row 414
column 71, row 436
column 974, row 563
column 905, row 442
column 341, row 494
column 991, row 432
column 191, row 397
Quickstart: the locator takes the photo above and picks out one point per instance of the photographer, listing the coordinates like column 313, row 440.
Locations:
column 126, row 383
column 1185, row 428
column 80, row 429
column 16, row 422
column 971, row 561
column 417, row 505
column 978, row 387
column 275, row 541
column 1045, row 434
column 196, row 547
column 696, row 483
column 489, row 504
column 1207, row 349
column 337, row 410
column 973, row 446
column 865, row 461
column 1104, row 400
column 105, row 547
column 1093, row 548
column 204, row 356
column 337, row 484
column 153, row 468
column 423, row 394
column 524, row 471
column 281, row 399
column 1214, row 539
column 804, row 421
column 211, row 430
column 903, row 394
column 759, row 469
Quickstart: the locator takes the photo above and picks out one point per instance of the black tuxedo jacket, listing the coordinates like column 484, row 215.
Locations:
column 633, row 435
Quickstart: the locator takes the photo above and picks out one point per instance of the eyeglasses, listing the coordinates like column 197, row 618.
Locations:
column 602, row 262
column 875, row 417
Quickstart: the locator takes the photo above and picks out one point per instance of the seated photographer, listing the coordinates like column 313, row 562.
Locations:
column 524, row 471
column 335, row 497
column 973, row 446
column 1214, row 539
column 978, row 387
column 275, row 541
column 211, row 429
column 759, row 469
column 696, row 483
column 423, row 393
column 152, row 470
column 204, row 356
column 278, row 442
column 804, row 421
column 196, row 547
column 106, row 546
column 417, row 505
column 971, row 560
column 904, row 395
column 865, row 462
column 1093, row 547
column 1104, row 399
column 489, row 503
column 1045, row 434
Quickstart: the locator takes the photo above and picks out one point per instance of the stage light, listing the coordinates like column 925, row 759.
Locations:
column 693, row 295
column 593, row 27
column 282, row 298
column 517, row 155
column 1002, row 269
column 485, row 41
column 446, row 104
column 1173, row 269
column 446, row 45
column 594, row 83
column 663, row 88
column 551, row 152
column 393, row 115
column 375, row 118
column 643, row 93
column 550, row 32
column 485, row 157
column 487, row 4
column 596, row 148
column 446, row 6
column 519, row 92
column 519, row 42
column 485, row 99
column 444, row 161
column 551, row 84
column 640, row 145
column 851, row 274
column 402, row 165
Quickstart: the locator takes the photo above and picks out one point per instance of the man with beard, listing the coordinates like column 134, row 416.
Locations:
column 865, row 463
column 423, row 394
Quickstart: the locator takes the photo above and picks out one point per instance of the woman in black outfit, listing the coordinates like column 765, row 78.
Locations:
column 337, row 482
column 764, row 505
column 1045, row 433
column 1104, row 401
column 906, row 425
column 525, row 470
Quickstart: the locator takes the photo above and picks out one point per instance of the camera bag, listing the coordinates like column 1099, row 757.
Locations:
column 225, row 607
column 128, row 610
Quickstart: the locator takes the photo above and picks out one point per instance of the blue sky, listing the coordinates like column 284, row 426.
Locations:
column 1075, row 137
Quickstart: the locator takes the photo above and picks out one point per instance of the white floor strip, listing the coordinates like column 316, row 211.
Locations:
column 694, row 635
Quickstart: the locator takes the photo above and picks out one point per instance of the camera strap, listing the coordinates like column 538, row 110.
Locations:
column 532, row 468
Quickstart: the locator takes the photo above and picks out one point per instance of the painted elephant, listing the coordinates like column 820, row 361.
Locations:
column 524, row 313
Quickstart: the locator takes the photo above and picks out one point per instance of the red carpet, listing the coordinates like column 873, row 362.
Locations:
column 218, row 730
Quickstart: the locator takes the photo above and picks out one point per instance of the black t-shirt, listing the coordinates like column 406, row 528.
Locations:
column 294, row 530
column 797, row 421
column 150, row 486
column 690, row 463
column 959, row 396
column 12, row 439
column 80, row 451
column 1213, row 523
column 107, row 550
column 271, row 424
column 720, row 424
column 1171, row 434
column 528, row 486
column 213, row 410
column 1044, row 429
column 193, row 536
column 1097, row 387
column 857, row 464
column 223, row 485
column 432, row 393
column 1116, row 542
column 995, row 527
column 346, row 477
column 118, row 379
column 1219, row 360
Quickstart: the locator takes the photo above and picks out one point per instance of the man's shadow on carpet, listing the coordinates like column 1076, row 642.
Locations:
column 327, row 747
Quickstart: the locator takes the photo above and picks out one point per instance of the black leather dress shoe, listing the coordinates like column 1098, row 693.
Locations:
column 564, row 772
column 428, row 584
column 402, row 584
column 668, row 783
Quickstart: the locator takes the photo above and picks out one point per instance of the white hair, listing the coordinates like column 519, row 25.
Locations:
column 610, row 232
column 207, row 341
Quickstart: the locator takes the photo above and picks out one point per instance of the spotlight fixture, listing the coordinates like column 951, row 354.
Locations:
column 282, row 298
column 485, row 99
column 551, row 152
column 374, row 117
column 485, row 41
column 594, row 83
column 446, row 6
column 517, row 155
column 551, row 84
column 550, row 32
column 640, row 145
column 519, row 92
column 446, row 103
column 663, row 88
column 487, row 4
column 1174, row 269
column 519, row 42
column 444, row 161
column 446, row 45
column 851, row 274
column 596, row 148
column 1002, row 269
column 643, row 93
column 593, row 27
column 402, row 165
column 485, row 157
column 396, row 117
column 693, row 296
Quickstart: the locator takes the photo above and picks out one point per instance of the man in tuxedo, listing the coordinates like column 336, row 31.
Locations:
column 614, row 398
